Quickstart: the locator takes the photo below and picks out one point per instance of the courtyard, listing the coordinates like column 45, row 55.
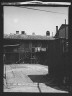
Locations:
column 27, row 78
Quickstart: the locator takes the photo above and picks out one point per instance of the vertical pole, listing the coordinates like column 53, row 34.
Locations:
column 65, row 28
column 4, row 65
column 65, row 34
column 52, row 34
column 19, row 52
column 4, row 68
column 31, row 52
column 19, row 56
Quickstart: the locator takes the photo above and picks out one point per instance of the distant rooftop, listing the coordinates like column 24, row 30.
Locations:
column 27, row 37
column 63, row 26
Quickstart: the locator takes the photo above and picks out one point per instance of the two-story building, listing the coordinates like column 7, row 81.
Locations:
column 20, row 48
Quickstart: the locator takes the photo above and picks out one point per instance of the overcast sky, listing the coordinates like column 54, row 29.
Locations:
column 30, row 20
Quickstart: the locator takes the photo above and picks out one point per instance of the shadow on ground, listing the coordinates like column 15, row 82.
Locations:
column 49, row 81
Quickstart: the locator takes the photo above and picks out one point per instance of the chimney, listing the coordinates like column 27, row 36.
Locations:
column 56, row 29
column 17, row 32
column 52, row 34
column 47, row 33
column 23, row 32
column 33, row 33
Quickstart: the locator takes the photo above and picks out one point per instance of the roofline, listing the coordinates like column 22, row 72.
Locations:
column 29, row 37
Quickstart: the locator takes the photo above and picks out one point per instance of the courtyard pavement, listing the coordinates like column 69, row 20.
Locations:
column 18, row 80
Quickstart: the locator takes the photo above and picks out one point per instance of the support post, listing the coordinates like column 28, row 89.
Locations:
column 65, row 34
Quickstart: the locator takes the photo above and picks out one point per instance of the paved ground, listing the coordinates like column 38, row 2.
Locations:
column 18, row 79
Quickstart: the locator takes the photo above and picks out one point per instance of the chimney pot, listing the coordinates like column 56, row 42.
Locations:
column 23, row 32
column 47, row 33
column 17, row 32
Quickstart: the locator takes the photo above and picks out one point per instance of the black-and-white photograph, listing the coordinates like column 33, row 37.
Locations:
column 35, row 49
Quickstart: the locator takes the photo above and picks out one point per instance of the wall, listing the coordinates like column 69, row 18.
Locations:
column 62, row 32
column 26, row 53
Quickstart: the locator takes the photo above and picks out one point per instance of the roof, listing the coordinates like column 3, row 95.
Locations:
column 63, row 26
column 27, row 37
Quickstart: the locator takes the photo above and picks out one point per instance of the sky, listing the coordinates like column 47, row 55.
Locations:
column 35, row 19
